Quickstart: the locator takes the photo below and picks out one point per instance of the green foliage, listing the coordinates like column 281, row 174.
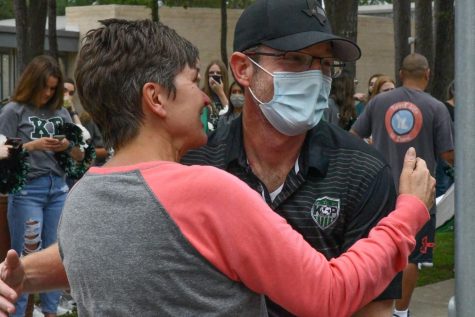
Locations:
column 62, row 4
column 6, row 9
column 371, row 2
column 131, row 2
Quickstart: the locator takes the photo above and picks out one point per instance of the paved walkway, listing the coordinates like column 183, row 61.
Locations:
column 432, row 300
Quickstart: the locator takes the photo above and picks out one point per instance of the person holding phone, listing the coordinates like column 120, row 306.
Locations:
column 33, row 118
column 215, row 86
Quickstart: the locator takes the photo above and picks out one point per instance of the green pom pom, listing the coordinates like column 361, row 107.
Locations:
column 74, row 170
column 14, row 171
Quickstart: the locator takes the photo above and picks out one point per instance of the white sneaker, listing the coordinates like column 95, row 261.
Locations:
column 37, row 312
column 65, row 306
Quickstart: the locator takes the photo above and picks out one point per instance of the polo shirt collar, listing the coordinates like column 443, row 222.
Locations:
column 234, row 144
column 312, row 157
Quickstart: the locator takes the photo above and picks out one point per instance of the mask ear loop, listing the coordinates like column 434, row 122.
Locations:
column 265, row 70
column 255, row 63
column 254, row 96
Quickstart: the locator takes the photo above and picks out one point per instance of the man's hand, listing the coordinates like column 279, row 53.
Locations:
column 416, row 180
column 12, row 275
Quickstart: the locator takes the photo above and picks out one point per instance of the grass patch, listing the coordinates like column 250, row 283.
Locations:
column 443, row 260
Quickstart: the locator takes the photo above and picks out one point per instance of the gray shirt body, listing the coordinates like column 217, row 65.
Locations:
column 125, row 256
column 30, row 123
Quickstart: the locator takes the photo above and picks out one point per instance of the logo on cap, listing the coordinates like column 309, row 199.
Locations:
column 316, row 11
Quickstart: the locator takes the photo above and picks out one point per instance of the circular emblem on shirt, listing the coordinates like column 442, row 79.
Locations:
column 403, row 121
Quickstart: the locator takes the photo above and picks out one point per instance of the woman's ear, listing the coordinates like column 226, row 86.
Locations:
column 154, row 97
column 242, row 68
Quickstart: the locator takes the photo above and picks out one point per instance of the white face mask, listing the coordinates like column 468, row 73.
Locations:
column 237, row 100
column 299, row 100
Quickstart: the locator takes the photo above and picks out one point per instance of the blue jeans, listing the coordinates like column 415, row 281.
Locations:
column 33, row 216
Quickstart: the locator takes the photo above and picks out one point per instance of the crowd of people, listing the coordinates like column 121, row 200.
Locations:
column 249, row 195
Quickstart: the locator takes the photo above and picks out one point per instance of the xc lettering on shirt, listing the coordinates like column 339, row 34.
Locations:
column 403, row 122
column 44, row 127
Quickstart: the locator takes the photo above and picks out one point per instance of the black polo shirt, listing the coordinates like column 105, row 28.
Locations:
column 341, row 188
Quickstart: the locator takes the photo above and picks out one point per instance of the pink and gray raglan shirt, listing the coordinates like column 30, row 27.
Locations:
column 163, row 239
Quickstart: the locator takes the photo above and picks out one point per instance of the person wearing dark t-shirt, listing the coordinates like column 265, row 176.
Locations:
column 409, row 117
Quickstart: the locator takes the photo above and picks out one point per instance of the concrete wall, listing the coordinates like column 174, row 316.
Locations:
column 375, row 38
column 84, row 18
column 201, row 26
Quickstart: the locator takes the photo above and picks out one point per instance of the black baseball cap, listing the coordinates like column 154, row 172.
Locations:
column 289, row 25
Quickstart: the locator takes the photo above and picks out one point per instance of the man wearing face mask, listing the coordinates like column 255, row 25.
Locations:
column 331, row 187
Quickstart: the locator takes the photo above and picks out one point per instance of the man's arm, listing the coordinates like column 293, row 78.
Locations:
column 44, row 271
column 362, row 127
column 40, row 271
column 448, row 156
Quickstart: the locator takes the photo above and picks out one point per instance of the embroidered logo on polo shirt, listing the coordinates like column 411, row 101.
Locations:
column 325, row 211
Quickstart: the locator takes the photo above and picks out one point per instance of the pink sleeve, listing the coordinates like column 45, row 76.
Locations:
column 232, row 227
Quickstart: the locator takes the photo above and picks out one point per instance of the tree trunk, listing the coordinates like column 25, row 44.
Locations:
column 30, row 30
column 402, row 32
column 52, row 37
column 154, row 8
column 443, row 70
column 20, row 9
column 37, row 11
column 224, row 33
column 343, row 16
column 424, row 33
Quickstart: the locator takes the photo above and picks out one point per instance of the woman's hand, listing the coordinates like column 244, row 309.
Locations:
column 216, row 86
column 218, row 89
column 47, row 144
